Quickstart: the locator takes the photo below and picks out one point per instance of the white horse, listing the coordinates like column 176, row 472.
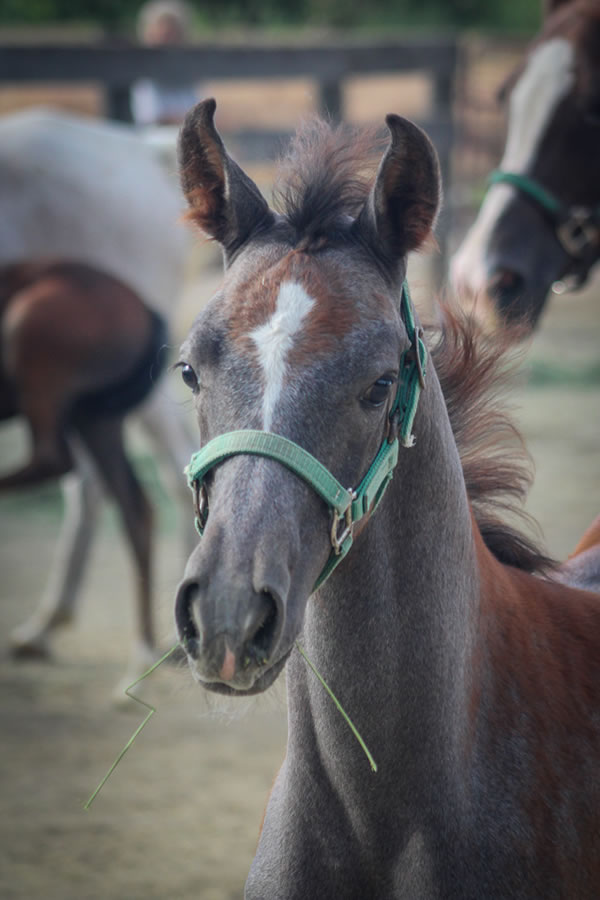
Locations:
column 93, row 192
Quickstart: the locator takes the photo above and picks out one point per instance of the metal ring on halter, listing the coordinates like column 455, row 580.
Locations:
column 200, row 503
column 578, row 231
column 412, row 357
column 337, row 539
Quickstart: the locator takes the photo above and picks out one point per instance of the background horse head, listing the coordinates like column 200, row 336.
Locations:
column 540, row 221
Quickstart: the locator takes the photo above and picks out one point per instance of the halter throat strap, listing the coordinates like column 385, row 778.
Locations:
column 348, row 506
column 532, row 189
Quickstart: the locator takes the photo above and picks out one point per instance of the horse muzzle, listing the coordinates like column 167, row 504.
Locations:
column 231, row 633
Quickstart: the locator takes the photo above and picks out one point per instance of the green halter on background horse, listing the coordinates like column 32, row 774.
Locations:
column 576, row 227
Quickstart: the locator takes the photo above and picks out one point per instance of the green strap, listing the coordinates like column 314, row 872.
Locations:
column 331, row 564
column 273, row 446
column 366, row 500
column 543, row 196
column 530, row 187
column 410, row 381
column 370, row 491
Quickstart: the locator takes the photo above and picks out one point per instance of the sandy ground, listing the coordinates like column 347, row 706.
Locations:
column 179, row 818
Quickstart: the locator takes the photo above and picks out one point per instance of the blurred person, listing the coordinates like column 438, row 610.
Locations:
column 163, row 23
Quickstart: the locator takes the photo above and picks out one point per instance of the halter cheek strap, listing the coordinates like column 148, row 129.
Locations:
column 348, row 506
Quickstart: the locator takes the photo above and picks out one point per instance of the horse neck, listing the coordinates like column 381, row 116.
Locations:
column 391, row 629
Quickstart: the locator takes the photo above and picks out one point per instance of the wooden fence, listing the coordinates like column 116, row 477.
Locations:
column 327, row 62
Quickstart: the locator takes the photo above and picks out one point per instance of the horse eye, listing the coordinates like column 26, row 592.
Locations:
column 189, row 377
column 378, row 392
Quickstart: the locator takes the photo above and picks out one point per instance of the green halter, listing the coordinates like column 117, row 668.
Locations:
column 348, row 506
column 528, row 186
column 577, row 228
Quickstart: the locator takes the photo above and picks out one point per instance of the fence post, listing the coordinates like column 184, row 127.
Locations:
column 331, row 101
column 442, row 100
column 118, row 103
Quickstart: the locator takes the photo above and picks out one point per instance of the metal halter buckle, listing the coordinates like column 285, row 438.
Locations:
column 200, row 503
column 412, row 355
column 337, row 539
column 578, row 231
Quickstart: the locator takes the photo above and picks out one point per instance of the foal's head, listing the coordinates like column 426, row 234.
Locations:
column 304, row 339
column 540, row 221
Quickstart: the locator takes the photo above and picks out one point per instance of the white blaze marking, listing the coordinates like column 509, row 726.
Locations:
column 275, row 339
column 547, row 78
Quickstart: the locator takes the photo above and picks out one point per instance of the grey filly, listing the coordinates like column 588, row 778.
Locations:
column 475, row 683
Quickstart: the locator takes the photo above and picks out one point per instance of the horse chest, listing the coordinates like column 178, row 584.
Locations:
column 313, row 846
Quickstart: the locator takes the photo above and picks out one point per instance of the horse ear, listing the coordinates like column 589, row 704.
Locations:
column 401, row 208
column 224, row 202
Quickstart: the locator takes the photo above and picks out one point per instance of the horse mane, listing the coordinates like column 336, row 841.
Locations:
column 474, row 370
column 325, row 176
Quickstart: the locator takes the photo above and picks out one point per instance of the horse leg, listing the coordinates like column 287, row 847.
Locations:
column 82, row 494
column 42, row 401
column 161, row 419
column 104, row 440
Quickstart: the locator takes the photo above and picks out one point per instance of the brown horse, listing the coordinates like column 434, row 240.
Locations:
column 539, row 225
column 474, row 681
column 79, row 350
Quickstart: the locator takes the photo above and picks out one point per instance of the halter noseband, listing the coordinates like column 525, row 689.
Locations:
column 348, row 506
column 577, row 228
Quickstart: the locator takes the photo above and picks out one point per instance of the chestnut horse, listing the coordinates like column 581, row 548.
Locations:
column 539, row 225
column 78, row 351
column 474, row 682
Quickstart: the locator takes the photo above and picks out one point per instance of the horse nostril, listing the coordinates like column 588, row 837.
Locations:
column 507, row 288
column 262, row 630
column 187, row 626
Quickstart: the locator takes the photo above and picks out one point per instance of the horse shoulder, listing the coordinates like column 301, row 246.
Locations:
column 543, row 638
column 536, row 717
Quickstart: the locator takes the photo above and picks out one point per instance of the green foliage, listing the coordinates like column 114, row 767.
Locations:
column 111, row 14
column 516, row 15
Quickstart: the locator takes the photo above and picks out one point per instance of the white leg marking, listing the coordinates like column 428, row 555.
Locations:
column 547, row 78
column 275, row 339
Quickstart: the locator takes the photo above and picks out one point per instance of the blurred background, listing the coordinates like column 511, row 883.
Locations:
column 179, row 818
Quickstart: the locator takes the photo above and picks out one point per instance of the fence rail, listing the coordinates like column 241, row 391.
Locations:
column 328, row 62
